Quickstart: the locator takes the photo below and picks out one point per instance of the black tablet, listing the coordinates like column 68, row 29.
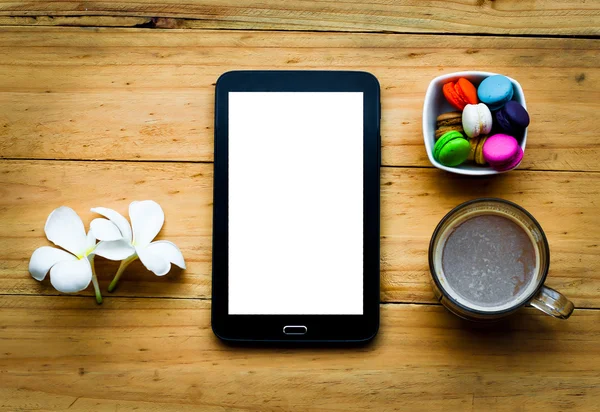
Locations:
column 296, row 206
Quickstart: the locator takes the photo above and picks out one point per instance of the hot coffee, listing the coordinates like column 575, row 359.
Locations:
column 489, row 261
column 488, row 258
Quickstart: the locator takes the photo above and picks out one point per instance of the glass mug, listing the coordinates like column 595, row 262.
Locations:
column 488, row 258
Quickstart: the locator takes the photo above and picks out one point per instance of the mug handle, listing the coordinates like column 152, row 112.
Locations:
column 552, row 303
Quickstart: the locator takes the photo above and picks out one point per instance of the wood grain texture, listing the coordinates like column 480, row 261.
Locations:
column 75, row 21
column 555, row 17
column 412, row 203
column 146, row 94
column 160, row 354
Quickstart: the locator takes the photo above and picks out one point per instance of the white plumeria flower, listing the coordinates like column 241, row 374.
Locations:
column 69, row 272
column 119, row 241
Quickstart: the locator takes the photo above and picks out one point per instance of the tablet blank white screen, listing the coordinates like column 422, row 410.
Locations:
column 295, row 203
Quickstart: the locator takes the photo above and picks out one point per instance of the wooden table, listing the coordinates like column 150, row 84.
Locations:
column 105, row 102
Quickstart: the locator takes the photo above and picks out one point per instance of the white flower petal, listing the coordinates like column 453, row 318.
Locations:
column 44, row 258
column 167, row 250
column 71, row 276
column 154, row 263
column 117, row 219
column 64, row 228
column 147, row 218
column 114, row 249
column 104, row 229
column 90, row 240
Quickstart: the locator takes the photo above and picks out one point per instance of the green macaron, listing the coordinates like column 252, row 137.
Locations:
column 451, row 149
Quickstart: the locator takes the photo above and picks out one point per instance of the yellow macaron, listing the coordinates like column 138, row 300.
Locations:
column 479, row 159
column 476, row 150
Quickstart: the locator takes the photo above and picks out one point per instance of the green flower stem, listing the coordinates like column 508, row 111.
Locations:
column 122, row 268
column 95, row 282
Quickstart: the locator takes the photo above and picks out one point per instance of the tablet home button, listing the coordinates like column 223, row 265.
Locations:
column 294, row 330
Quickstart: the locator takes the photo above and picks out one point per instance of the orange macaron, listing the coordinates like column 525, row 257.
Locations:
column 460, row 93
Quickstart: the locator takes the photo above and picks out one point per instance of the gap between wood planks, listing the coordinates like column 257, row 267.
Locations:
column 170, row 23
column 48, row 159
column 209, row 299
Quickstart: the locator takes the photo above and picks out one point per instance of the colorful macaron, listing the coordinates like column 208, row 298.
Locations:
column 440, row 131
column 512, row 118
column 451, row 149
column 460, row 93
column 486, row 127
column 449, row 119
column 476, row 152
column 495, row 91
column 502, row 152
column 476, row 120
column 447, row 122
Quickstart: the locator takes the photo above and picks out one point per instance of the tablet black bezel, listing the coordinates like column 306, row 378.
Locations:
column 321, row 328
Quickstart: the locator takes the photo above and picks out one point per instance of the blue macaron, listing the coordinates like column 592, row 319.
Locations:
column 495, row 91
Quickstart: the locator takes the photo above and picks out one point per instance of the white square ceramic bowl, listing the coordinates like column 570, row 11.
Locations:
column 436, row 104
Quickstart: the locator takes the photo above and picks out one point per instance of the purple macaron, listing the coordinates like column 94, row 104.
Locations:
column 512, row 118
column 502, row 152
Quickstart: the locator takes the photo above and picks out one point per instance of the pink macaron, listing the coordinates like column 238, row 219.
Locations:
column 502, row 152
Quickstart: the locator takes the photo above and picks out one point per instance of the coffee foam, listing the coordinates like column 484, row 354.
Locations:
column 522, row 295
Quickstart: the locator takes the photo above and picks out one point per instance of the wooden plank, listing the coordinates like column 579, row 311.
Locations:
column 160, row 354
column 134, row 94
column 413, row 201
column 75, row 21
column 555, row 17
